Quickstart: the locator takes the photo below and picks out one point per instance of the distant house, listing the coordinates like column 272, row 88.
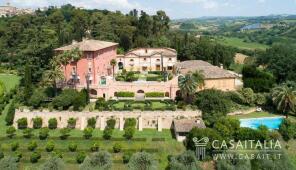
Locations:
column 215, row 77
column 251, row 27
column 183, row 126
column 148, row 59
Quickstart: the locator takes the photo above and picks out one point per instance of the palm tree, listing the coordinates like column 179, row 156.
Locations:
column 50, row 77
column 113, row 64
column 284, row 98
column 199, row 78
column 75, row 55
column 188, row 84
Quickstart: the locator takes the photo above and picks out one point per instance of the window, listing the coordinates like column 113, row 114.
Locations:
column 170, row 59
column 158, row 60
column 103, row 81
column 89, row 70
column 89, row 55
column 144, row 59
column 170, row 68
column 131, row 60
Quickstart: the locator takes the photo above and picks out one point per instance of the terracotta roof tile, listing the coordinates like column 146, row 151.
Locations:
column 207, row 69
column 88, row 45
column 185, row 125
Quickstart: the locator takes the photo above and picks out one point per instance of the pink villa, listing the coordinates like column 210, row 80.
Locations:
column 95, row 64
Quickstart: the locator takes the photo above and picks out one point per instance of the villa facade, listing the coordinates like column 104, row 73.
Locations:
column 148, row 59
column 97, row 56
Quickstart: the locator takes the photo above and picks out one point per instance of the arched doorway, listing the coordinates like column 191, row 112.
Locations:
column 140, row 91
column 140, row 96
column 120, row 65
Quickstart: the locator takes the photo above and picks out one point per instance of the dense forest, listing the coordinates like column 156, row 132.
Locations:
column 30, row 39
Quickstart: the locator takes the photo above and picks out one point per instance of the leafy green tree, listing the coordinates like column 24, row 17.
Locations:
column 284, row 99
column 10, row 114
column 9, row 163
column 28, row 83
column 249, row 95
column 256, row 79
column 2, row 89
column 99, row 160
column 10, row 131
column 129, row 132
column 53, row 163
column 37, row 98
column 142, row 161
column 213, row 104
column 287, row 129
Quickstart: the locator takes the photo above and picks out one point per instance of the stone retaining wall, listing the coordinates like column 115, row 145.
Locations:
column 146, row 119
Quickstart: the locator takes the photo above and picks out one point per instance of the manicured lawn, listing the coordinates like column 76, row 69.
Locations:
column 255, row 115
column 9, row 80
column 239, row 43
column 157, row 105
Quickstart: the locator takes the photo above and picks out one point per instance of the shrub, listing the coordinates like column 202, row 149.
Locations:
column 101, row 103
column 35, row 156
column 249, row 95
column 10, row 131
column 129, row 132
column 126, row 157
column 248, row 134
column 71, row 123
column 52, row 123
column 14, row 145
column 287, row 129
column 43, row 133
column 111, row 123
column 136, row 162
column 37, row 123
column 10, row 114
column 154, row 94
column 107, row 133
column 65, row 133
column 49, row 146
column 125, row 94
column 80, row 157
column 91, row 122
column 99, row 160
column 186, row 160
column 72, row 147
column 9, row 163
column 37, row 98
column 65, row 99
column 117, row 147
column 53, row 163
column 28, row 133
column 130, row 122
column 22, row 123
column 260, row 99
column 95, row 147
column 32, row 146
column 1, row 155
column 18, row 156
column 87, row 132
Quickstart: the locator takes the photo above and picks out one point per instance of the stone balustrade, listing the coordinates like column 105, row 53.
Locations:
column 145, row 119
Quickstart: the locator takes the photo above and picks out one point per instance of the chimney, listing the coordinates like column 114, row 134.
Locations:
column 221, row 66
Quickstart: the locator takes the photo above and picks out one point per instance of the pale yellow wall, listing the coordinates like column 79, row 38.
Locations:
column 225, row 84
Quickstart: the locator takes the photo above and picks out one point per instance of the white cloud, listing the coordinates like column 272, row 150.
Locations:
column 206, row 4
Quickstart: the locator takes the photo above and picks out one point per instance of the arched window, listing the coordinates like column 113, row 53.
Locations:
column 103, row 81
column 93, row 92
column 131, row 60
column 157, row 60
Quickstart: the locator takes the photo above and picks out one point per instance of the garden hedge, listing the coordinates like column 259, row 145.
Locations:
column 125, row 94
column 154, row 94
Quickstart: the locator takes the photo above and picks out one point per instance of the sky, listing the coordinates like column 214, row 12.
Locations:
column 176, row 9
